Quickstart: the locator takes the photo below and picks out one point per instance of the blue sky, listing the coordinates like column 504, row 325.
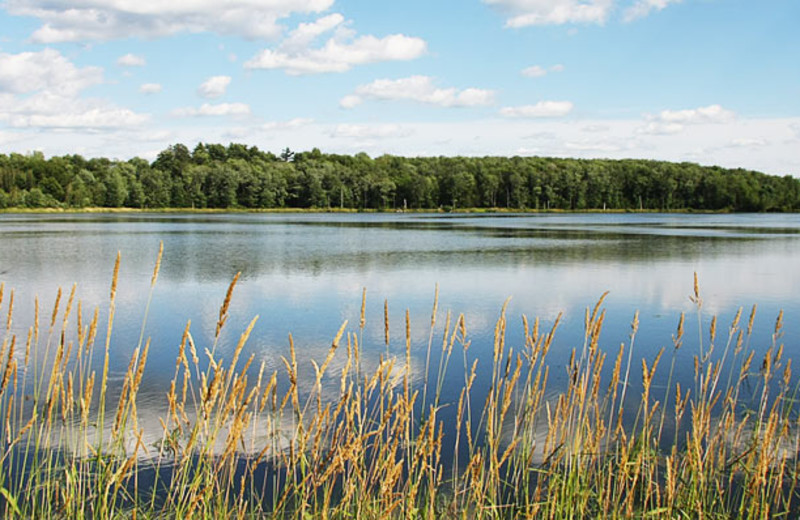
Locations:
column 707, row 81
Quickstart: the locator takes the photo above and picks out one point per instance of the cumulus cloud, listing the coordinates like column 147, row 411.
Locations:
column 94, row 20
column 131, row 60
column 660, row 128
column 214, row 87
column 45, row 70
column 52, row 110
column 642, row 8
column 150, row 88
column 305, row 33
column 384, row 131
column 523, row 13
column 342, row 51
column 350, row 101
column 153, row 136
column 211, row 110
column 291, row 124
column 9, row 137
column 745, row 142
column 534, row 72
column 669, row 122
column 709, row 114
column 540, row 109
column 82, row 116
column 239, row 132
column 537, row 71
column 42, row 90
column 595, row 128
column 594, row 146
column 421, row 89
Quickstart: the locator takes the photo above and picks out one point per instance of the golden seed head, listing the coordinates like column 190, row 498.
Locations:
column 362, row 320
column 115, row 277
column 752, row 319
column 435, row 306
column 55, row 309
column 779, row 322
column 158, row 264
column 10, row 310
column 713, row 328
column 386, row 322
column 223, row 310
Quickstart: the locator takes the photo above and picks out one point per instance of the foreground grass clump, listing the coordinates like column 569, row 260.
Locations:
column 236, row 441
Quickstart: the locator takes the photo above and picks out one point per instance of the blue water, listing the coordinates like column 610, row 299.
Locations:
column 304, row 274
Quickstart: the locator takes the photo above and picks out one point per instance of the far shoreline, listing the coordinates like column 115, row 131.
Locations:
column 311, row 211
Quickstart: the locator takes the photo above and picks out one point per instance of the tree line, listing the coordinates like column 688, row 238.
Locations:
column 241, row 176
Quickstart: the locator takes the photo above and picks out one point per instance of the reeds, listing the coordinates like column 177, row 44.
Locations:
column 237, row 442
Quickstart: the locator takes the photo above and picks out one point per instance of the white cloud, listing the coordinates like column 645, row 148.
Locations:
column 154, row 136
column 534, row 72
column 291, row 124
column 643, row 8
column 214, row 87
column 602, row 147
column 150, row 88
column 669, row 122
column 96, row 20
column 523, row 13
column 541, row 136
column 595, row 129
column 384, row 131
column 420, row 89
column 350, row 101
column 747, row 142
column 709, row 114
column 42, row 90
column 99, row 117
column 341, row 52
column 537, row 71
column 540, row 109
column 49, row 110
column 45, row 70
column 236, row 133
column 305, row 33
column 218, row 110
column 7, row 138
column 660, row 128
column 131, row 60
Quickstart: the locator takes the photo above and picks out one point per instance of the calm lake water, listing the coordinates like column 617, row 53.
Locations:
column 304, row 274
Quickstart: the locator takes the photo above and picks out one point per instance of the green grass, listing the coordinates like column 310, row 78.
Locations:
column 238, row 442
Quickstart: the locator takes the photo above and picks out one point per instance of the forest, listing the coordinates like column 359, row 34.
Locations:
column 241, row 176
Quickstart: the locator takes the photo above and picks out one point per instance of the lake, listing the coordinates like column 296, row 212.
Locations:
column 304, row 274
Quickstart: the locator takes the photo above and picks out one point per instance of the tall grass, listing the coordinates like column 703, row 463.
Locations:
column 239, row 442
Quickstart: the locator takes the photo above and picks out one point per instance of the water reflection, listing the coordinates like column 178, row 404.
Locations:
column 304, row 273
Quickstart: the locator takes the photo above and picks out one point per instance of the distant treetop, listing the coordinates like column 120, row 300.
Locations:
column 241, row 176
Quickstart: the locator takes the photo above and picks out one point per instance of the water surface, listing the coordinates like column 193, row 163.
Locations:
column 304, row 274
